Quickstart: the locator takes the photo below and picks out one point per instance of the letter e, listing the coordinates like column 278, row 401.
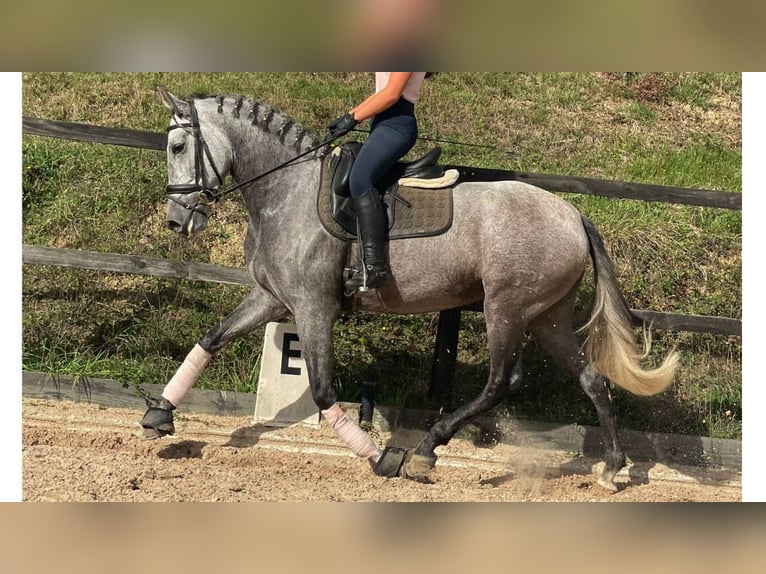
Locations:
column 287, row 353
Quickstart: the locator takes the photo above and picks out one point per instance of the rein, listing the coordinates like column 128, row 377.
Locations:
column 207, row 195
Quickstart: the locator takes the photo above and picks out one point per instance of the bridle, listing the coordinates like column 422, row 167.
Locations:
column 209, row 195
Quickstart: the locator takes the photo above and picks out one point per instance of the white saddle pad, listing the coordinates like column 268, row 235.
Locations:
column 449, row 178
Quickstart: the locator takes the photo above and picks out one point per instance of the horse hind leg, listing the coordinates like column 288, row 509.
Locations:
column 503, row 336
column 553, row 331
column 597, row 389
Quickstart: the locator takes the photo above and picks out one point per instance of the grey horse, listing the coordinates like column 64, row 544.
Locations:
column 519, row 249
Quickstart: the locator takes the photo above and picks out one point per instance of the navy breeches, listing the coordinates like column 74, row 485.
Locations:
column 393, row 133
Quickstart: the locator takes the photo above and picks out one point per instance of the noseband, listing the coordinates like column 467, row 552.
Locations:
column 208, row 195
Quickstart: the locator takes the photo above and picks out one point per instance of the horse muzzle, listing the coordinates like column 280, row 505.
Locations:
column 186, row 215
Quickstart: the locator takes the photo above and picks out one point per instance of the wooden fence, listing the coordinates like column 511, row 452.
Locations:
column 445, row 352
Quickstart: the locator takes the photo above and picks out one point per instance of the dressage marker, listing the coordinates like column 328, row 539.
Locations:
column 284, row 396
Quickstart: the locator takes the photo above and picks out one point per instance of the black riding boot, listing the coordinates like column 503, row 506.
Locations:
column 372, row 229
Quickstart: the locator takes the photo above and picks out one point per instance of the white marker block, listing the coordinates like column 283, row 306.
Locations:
column 283, row 397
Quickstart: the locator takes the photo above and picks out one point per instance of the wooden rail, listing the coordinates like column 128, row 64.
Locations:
column 134, row 264
column 607, row 188
column 556, row 183
column 94, row 134
column 449, row 321
column 174, row 269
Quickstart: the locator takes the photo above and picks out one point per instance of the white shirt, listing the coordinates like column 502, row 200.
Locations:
column 411, row 91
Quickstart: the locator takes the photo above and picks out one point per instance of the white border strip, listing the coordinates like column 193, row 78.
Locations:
column 10, row 389
column 754, row 236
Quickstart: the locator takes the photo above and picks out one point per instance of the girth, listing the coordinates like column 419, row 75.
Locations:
column 411, row 211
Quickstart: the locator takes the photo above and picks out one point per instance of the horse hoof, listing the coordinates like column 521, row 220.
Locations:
column 157, row 422
column 607, row 483
column 152, row 434
column 390, row 462
column 417, row 467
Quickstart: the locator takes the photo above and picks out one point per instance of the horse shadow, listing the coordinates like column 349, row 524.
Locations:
column 243, row 437
column 249, row 436
column 182, row 449
column 686, row 455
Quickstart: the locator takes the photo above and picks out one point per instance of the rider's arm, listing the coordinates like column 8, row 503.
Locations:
column 383, row 99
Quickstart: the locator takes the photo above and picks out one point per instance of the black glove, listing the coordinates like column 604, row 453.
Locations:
column 342, row 125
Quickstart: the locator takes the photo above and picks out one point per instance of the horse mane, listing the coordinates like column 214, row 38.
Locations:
column 267, row 118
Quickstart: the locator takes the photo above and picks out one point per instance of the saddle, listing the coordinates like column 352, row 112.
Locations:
column 417, row 195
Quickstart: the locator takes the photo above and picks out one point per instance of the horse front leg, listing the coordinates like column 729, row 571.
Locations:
column 315, row 331
column 258, row 308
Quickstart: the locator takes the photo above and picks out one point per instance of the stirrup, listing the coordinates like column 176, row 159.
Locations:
column 352, row 283
column 362, row 282
column 360, row 279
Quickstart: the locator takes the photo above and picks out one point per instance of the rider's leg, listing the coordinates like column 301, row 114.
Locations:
column 388, row 142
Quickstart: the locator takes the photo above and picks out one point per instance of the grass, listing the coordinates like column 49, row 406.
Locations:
column 681, row 129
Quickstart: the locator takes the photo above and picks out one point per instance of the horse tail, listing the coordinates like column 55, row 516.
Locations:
column 610, row 345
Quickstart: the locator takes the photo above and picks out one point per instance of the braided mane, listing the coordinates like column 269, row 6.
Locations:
column 267, row 118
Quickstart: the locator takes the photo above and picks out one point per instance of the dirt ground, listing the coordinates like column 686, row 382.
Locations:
column 84, row 452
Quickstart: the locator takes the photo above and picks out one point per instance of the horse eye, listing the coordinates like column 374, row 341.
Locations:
column 177, row 148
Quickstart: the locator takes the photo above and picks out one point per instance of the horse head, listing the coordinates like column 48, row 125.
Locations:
column 197, row 166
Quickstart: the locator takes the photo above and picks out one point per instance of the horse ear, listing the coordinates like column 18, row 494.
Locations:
column 176, row 106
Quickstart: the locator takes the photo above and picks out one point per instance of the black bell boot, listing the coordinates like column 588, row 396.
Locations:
column 372, row 229
column 158, row 419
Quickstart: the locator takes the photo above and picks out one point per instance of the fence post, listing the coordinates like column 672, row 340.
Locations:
column 445, row 356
